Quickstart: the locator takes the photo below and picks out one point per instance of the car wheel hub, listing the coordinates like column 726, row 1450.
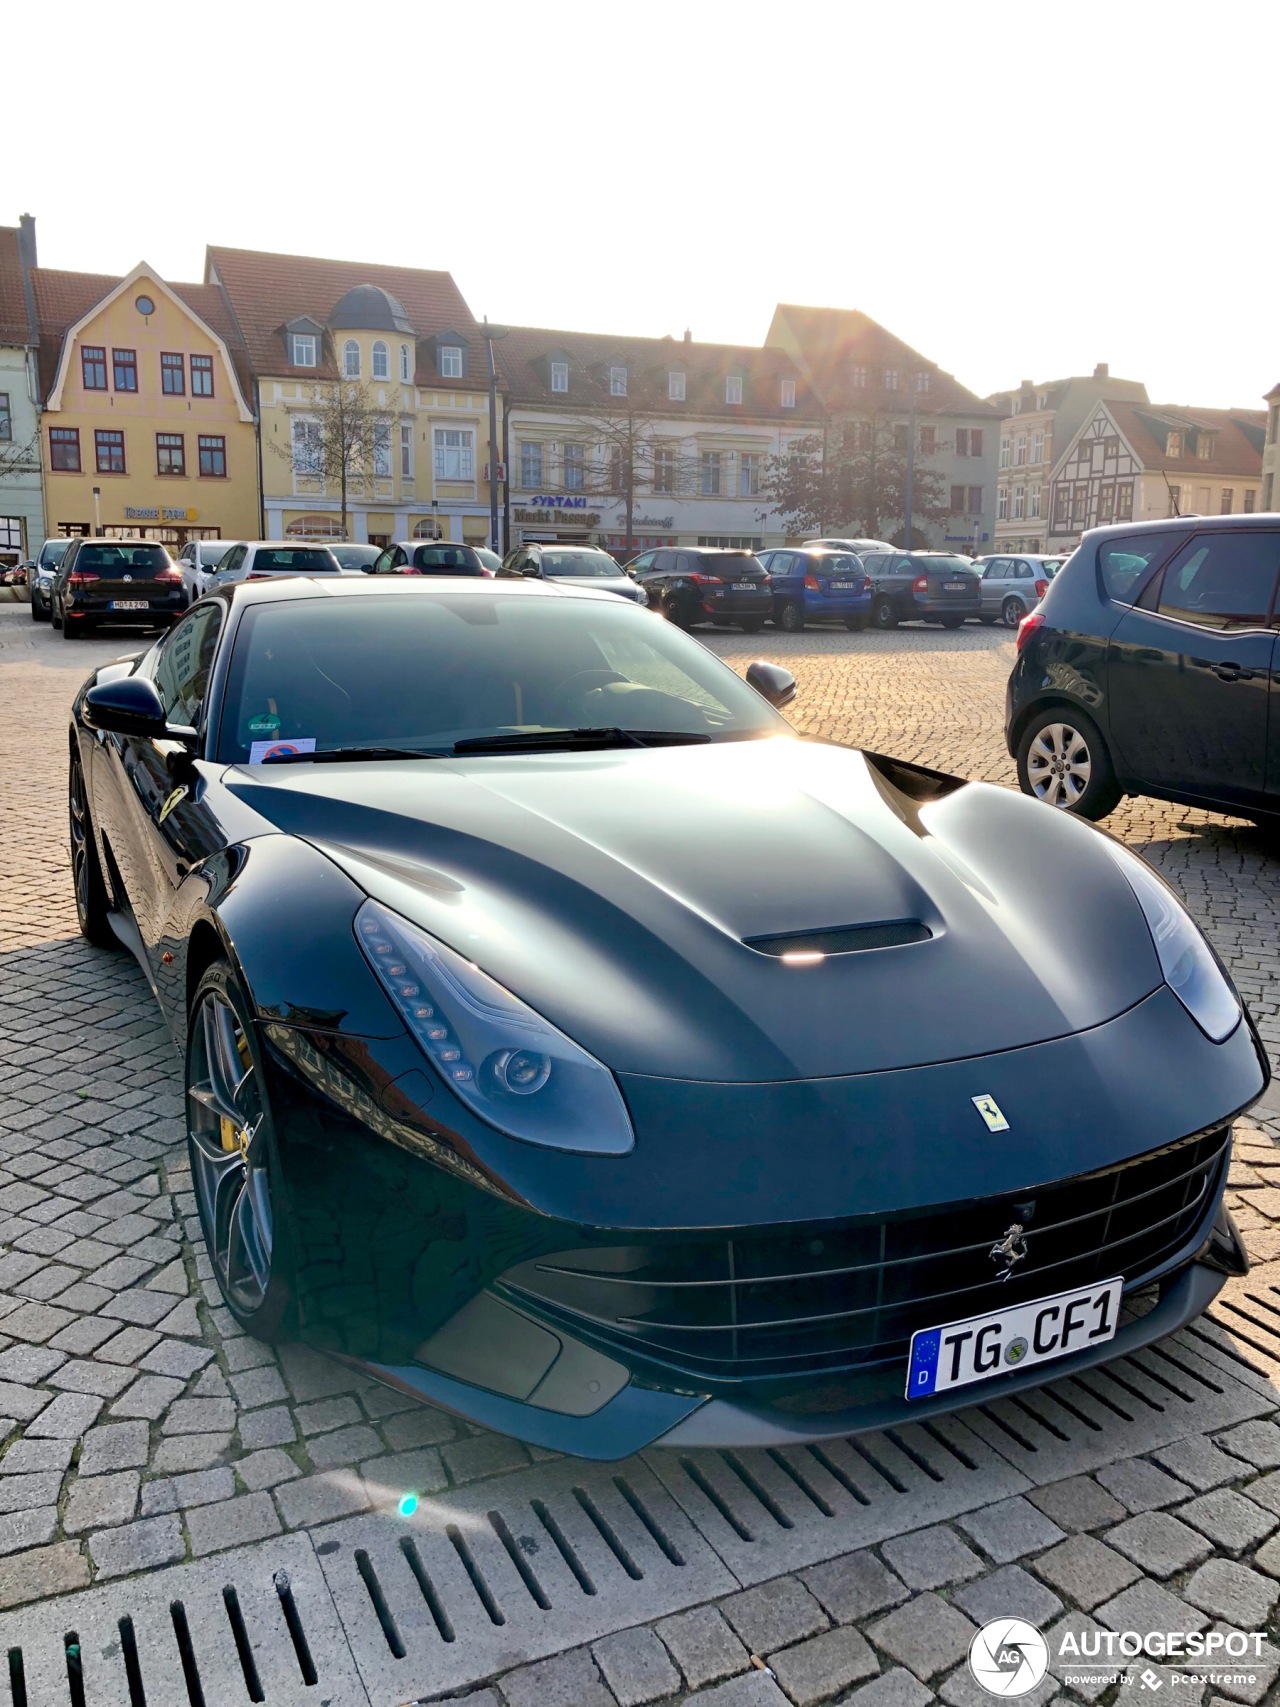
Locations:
column 1058, row 765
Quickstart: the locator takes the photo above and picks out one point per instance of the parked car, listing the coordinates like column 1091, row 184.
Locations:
column 1150, row 667
column 817, row 584
column 101, row 582
column 923, row 586
column 252, row 559
column 859, row 546
column 197, row 560
column 47, row 563
column 429, row 557
column 584, row 565
column 541, row 999
column 357, row 555
column 1011, row 586
column 490, row 559
column 697, row 584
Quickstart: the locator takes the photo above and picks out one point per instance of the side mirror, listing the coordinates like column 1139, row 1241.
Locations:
column 771, row 682
column 131, row 706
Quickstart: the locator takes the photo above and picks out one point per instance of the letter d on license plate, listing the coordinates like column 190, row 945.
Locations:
column 982, row 1347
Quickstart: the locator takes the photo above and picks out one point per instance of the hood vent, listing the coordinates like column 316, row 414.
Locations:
column 847, row 939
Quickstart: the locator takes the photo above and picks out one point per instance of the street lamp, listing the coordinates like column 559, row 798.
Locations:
column 492, row 335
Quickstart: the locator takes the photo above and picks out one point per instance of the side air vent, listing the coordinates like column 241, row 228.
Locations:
column 848, row 939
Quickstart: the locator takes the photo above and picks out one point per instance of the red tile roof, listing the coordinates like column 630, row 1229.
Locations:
column 13, row 301
column 1237, row 435
column 265, row 291
column 833, row 341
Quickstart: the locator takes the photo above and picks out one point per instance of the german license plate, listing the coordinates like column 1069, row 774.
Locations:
column 954, row 587
column 982, row 1347
column 129, row 604
column 745, row 587
column 844, row 586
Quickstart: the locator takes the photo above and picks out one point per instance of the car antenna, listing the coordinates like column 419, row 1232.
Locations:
column 1172, row 499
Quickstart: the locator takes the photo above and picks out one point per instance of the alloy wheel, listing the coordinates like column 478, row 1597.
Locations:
column 228, row 1142
column 1013, row 613
column 1059, row 765
column 80, row 851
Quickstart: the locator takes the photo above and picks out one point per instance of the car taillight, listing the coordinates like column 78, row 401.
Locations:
column 702, row 580
column 172, row 576
column 257, row 575
column 866, row 583
column 1027, row 627
column 811, row 583
column 921, row 583
column 81, row 578
column 1042, row 587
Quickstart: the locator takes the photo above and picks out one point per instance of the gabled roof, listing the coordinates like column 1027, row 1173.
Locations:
column 830, row 342
column 264, row 291
column 525, row 358
column 1056, row 392
column 14, row 328
column 1238, row 436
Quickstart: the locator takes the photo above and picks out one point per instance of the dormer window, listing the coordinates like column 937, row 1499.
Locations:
column 788, row 397
column 559, row 376
column 304, row 349
column 1204, row 450
column 450, row 361
column 617, row 382
column 1173, row 445
column 733, row 388
column 406, row 371
column 351, row 359
column 675, row 387
column 381, row 361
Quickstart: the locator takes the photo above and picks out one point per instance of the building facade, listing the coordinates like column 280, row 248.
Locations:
column 1036, row 421
column 1132, row 462
column 381, row 370
column 1271, row 452
column 21, row 482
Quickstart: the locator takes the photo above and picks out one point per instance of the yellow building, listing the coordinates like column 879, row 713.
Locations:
column 146, row 427
column 413, row 370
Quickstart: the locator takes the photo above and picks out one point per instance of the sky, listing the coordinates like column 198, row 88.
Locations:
column 1018, row 191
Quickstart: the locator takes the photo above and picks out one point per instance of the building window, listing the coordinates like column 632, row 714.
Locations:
column 962, row 441
column 733, row 388
column 575, row 468
column 1005, row 448
column 858, row 378
column 957, row 500
column 64, row 450
column 664, row 469
column 675, row 387
column 1079, row 505
column 406, row 450
column 559, row 376
column 202, row 376
column 1019, row 503
column 1247, row 505
column 975, row 441
column 1173, row 444
column 788, row 397
column 1124, row 501
column 304, row 349
column 1017, row 405
column 1020, row 450
column 382, row 450
column 891, row 379
column 749, row 475
column 1228, row 500
column 406, row 371
column 1037, row 447
column 1111, row 446
column 308, row 447
column 1204, row 446
column 922, row 383
column 975, row 500
column 1106, row 501
column 124, row 370
column 1061, row 498
column 171, row 453
column 6, row 417
column 530, row 466
column 928, row 441
column 617, row 382
column 1002, row 503
column 212, row 448
column 900, row 438
column 381, row 361
column 451, row 362
column 1033, row 504
column 1175, row 500
column 93, row 367
column 351, row 359
column 173, row 378
column 455, row 459
column 108, row 444
column 709, row 473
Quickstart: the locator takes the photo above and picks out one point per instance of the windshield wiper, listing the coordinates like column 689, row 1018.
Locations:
column 351, row 753
column 557, row 740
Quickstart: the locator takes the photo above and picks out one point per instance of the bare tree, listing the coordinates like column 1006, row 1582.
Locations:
column 340, row 440
column 20, row 458
column 639, row 446
column 852, row 478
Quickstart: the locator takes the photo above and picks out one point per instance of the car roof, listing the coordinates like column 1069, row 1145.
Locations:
column 1269, row 519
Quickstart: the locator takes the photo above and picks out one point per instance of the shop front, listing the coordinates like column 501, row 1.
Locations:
column 171, row 526
column 562, row 518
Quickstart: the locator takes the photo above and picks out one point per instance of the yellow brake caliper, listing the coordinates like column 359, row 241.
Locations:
column 233, row 1138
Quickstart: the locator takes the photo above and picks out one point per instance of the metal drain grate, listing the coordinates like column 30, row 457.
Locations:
column 511, row 1571
column 1243, row 1324
column 1163, row 1393
column 766, row 1512
column 254, row 1626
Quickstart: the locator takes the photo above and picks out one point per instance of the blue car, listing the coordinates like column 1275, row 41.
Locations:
column 816, row 584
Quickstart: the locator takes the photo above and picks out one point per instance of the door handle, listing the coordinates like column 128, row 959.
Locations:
column 1228, row 672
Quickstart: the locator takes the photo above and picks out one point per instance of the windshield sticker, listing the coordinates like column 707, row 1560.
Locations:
column 262, row 752
column 266, row 723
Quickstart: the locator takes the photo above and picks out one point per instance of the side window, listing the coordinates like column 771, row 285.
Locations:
column 1023, row 570
column 1123, row 564
column 996, row 570
column 684, row 563
column 1223, row 581
column 644, row 561
column 182, row 673
column 781, row 562
column 382, row 563
column 665, row 561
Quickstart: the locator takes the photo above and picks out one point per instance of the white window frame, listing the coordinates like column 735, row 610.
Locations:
column 617, row 382
column 559, row 376
column 530, row 482
column 749, row 474
column 1006, row 451
column 787, row 396
column 1033, row 504
column 304, row 349
column 381, row 354
column 1002, row 504
column 406, row 450
column 710, row 473
column 665, row 468
column 922, row 382
column 450, row 361
column 1020, row 451
column 351, row 359
column 382, row 450
column 306, row 435
column 406, row 370
column 1037, row 448
column 573, row 458
column 675, row 386
column 1019, row 503
column 733, row 388
column 457, row 444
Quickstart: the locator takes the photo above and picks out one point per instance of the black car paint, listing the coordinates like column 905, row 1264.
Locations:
column 1187, row 712
column 80, row 609
column 630, row 937
column 893, row 582
column 671, row 587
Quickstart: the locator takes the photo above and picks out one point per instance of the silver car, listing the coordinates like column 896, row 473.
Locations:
column 1012, row 586
column 197, row 560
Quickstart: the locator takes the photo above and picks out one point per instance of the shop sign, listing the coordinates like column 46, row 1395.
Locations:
column 550, row 518
column 653, row 521
column 157, row 513
column 559, row 501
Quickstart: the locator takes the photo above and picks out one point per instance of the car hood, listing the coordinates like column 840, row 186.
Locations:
column 622, row 584
column 616, row 893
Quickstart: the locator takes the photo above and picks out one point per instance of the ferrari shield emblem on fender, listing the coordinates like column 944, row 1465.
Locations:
column 989, row 1109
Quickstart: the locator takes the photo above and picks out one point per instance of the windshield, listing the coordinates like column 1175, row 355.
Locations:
column 422, row 671
column 298, row 557
column 52, row 552
column 123, row 559
column 594, row 563
column 356, row 556
column 949, row 565
column 446, row 560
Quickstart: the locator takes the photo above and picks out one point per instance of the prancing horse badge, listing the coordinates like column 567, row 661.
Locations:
column 989, row 1109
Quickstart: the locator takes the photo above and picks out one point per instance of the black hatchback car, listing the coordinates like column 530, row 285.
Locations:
column 129, row 582
column 1149, row 668
column 706, row 584
column 923, row 586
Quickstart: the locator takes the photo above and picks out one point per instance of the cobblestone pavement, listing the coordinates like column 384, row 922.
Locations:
column 141, row 1428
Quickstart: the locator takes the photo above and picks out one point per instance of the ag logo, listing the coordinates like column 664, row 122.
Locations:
column 1008, row 1657
column 989, row 1109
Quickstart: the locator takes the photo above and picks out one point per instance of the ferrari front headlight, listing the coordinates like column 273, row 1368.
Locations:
column 1191, row 969
column 508, row 1065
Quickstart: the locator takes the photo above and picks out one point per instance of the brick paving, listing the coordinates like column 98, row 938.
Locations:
column 140, row 1427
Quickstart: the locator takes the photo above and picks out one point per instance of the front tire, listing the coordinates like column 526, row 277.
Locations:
column 674, row 612
column 883, row 614
column 1012, row 612
column 92, row 901
column 235, row 1166
column 38, row 615
column 1063, row 761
